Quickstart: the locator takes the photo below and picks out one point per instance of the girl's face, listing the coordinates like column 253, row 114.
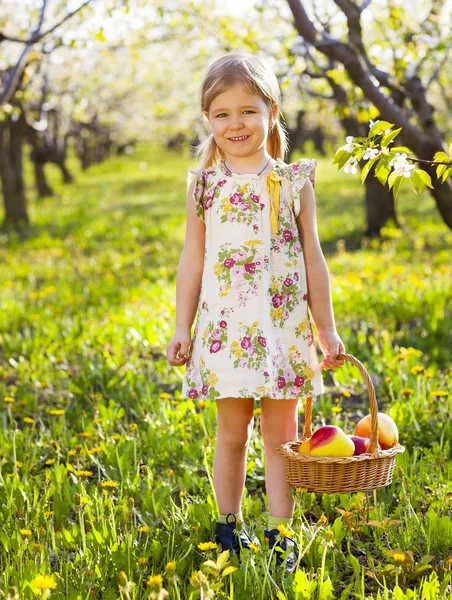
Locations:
column 237, row 113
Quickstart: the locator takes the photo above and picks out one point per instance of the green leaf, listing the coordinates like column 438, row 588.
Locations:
column 440, row 170
column 399, row 149
column 417, row 181
column 396, row 188
column 367, row 167
column 450, row 149
column 379, row 127
column 382, row 171
column 391, row 181
column 441, row 157
column 425, row 177
column 340, row 153
column 390, row 136
column 228, row 571
column 447, row 174
column 222, row 559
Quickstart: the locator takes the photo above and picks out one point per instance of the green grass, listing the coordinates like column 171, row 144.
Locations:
column 87, row 398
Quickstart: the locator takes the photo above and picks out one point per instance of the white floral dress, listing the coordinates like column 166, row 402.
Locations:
column 252, row 336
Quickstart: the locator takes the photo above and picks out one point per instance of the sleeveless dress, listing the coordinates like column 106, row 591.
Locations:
column 252, row 336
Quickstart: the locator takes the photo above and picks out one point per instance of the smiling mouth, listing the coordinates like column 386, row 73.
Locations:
column 239, row 139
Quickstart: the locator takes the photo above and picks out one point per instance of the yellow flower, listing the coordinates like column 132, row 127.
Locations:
column 227, row 208
column 19, row 464
column 244, row 189
column 83, row 473
column 257, row 411
column 234, row 344
column 406, row 391
column 323, row 519
column 142, row 560
column 252, row 330
column 284, row 531
column 110, row 484
column 308, row 372
column 29, row 420
column 155, row 581
column 439, row 393
column 25, row 532
column 95, row 450
column 256, row 323
column 254, row 548
column 50, row 461
column 217, row 268
column 203, row 546
column 171, row 566
column 57, row 412
column 336, row 409
column 198, row 579
column 144, row 529
column 212, row 379
column 44, row 582
column 416, row 369
column 399, row 557
column 239, row 352
column 9, row 399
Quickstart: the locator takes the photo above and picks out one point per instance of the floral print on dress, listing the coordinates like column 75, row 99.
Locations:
column 240, row 268
column 201, row 382
column 242, row 206
column 284, row 295
column 215, row 335
column 206, row 190
column 292, row 374
column 250, row 350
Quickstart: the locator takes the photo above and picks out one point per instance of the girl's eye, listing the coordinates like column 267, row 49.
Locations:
column 248, row 110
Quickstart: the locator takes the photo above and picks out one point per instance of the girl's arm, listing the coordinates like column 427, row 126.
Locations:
column 188, row 283
column 318, row 279
column 191, row 265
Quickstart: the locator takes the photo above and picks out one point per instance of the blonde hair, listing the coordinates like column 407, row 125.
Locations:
column 257, row 77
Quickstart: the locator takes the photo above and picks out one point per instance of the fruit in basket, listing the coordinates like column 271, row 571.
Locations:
column 330, row 440
column 304, row 448
column 361, row 444
column 388, row 434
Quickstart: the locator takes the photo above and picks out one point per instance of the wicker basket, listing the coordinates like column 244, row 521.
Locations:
column 345, row 474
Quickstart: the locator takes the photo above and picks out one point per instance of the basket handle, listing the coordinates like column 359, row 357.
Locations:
column 307, row 433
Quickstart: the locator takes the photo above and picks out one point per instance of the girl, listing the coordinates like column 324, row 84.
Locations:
column 251, row 266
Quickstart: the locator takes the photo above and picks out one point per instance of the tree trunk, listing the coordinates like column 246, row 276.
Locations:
column 379, row 205
column 11, row 173
column 67, row 176
column 38, row 157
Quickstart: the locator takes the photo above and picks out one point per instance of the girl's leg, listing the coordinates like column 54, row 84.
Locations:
column 279, row 424
column 235, row 423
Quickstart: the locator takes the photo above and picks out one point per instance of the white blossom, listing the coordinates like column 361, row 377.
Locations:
column 372, row 123
column 370, row 153
column 400, row 164
column 350, row 165
column 349, row 146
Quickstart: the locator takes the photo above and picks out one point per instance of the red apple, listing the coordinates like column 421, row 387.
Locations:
column 361, row 444
column 388, row 434
column 330, row 440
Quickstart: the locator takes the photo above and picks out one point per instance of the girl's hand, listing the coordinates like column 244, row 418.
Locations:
column 177, row 349
column 331, row 345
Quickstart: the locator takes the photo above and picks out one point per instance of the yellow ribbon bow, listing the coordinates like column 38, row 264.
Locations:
column 273, row 185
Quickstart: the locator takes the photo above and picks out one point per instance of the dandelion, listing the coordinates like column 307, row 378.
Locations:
column 144, row 529
column 336, row 409
column 155, row 581
column 9, row 399
column 25, row 532
column 57, row 412
column 50, row 461
column 83, row 473
column 406, row 391
column 85, row 434
column 284, row 531
column 124, row 585
column 19, row 464
column 170, row 566
column 399, row 557
column 323, row 519
column 44, row 583
column 439, row 393
column 416, row 369
column 205, row 546
column 29, row 420
column 254, row 548
column 142, row 560
column 95, row 450
column 110, row 484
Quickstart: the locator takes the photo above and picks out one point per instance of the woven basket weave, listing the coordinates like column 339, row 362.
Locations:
column 344, row 474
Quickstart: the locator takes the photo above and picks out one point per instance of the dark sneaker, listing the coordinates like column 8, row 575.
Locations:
column 229, row 537
column 284, row 544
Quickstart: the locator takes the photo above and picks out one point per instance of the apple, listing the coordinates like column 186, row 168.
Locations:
column 361, row 444
column 304, row 448
column 330, row 440
column 388, row 434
